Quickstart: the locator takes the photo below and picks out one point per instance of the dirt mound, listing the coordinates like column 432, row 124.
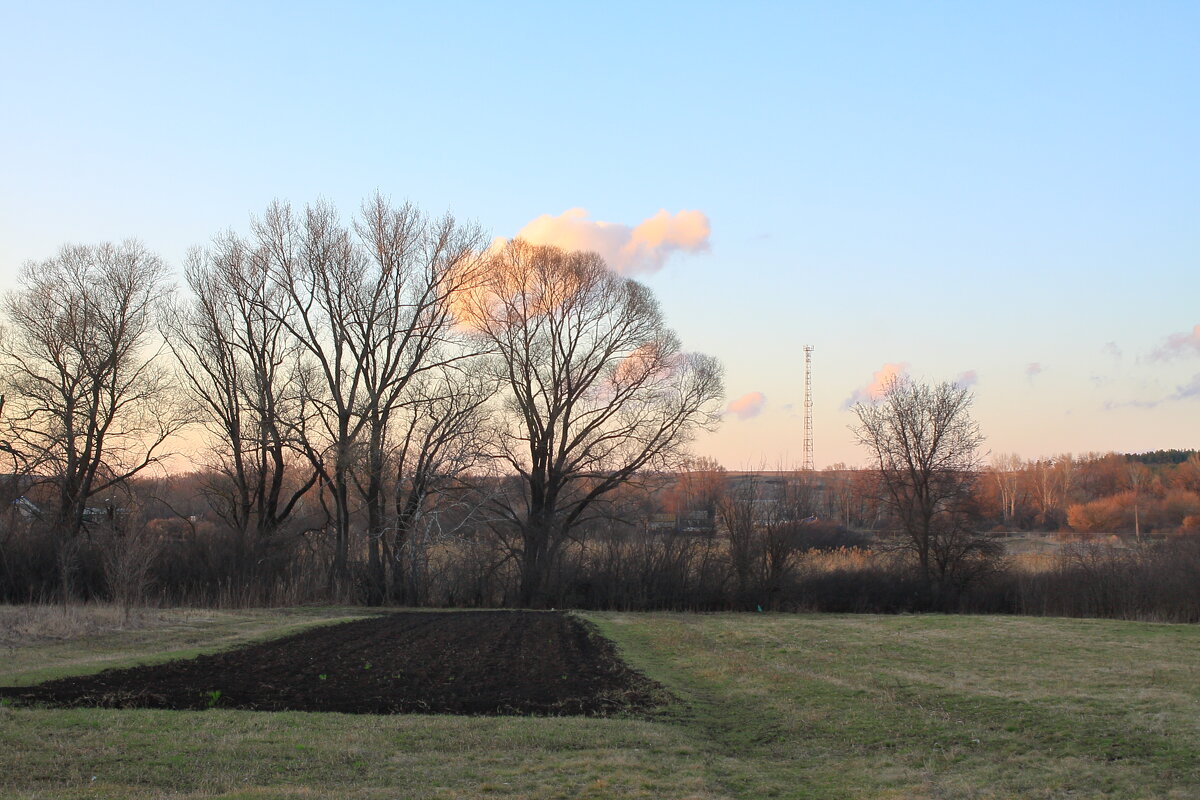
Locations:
column 468, row 662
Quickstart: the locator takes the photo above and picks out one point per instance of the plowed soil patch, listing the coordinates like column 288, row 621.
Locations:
column 470, row 662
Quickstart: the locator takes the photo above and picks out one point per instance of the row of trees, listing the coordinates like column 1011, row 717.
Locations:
column 698, row 538
column 1088, row 493
column 391, row 403
column 1093, row 493
column 366, row 367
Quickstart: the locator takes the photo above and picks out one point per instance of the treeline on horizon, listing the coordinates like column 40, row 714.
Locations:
column 1162, row 456
column 700, row 538
column 397, row 412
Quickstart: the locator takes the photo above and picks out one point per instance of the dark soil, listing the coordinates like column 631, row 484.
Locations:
column 469, row 662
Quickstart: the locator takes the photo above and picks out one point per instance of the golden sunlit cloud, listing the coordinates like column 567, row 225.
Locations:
column 878, row 385
column 748, row 405
column 508, row 280
column 627, row 250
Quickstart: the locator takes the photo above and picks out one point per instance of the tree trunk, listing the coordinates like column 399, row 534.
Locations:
column 534, row 566
column 376, row 580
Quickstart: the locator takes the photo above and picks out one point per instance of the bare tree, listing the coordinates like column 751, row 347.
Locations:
column 925, row 446
column 370, row 307
column 128, row 550
column 1138, row 477
column 1006, row 472
column 1053, row 481
column 238, row 362
column 791, row 508
column 738, row 512
column 88, row 403
column 694, row 492
column 595, row 388
column 437, row 437
column 763, row 515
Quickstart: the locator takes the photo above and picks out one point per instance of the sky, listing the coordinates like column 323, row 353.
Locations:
column 1005, row 195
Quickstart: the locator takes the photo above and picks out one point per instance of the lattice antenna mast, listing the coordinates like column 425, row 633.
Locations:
column 808, row 430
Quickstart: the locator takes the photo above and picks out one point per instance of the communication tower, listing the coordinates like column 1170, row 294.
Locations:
column 808, row 433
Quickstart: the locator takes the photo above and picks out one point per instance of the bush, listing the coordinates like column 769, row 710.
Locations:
column 1159, row 582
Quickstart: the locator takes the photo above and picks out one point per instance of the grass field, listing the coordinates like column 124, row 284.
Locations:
column 768, row 706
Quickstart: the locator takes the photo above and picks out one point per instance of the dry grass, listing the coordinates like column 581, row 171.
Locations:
column 41, row 642
column 843, row 558
column 30, row 624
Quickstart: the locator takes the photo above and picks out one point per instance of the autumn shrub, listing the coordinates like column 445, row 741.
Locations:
column 1178, row 505
column 1111, row 513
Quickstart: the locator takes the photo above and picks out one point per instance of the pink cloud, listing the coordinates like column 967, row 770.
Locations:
column 1178, row 345
column 1033, row 369
column 879, row 384
column 748, row 405
column 967, row 379
column 639, row 364
column 628, row 250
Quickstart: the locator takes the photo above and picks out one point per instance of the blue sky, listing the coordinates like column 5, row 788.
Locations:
column 1010, row 190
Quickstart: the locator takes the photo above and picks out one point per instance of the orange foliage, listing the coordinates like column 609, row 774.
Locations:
column 1180, row 504
column 1106, row 514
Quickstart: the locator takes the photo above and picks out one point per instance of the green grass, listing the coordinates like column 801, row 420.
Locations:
column 931, row 706
column 769, row 706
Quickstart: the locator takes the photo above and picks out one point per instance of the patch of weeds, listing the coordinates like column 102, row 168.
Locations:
column 211, row 698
